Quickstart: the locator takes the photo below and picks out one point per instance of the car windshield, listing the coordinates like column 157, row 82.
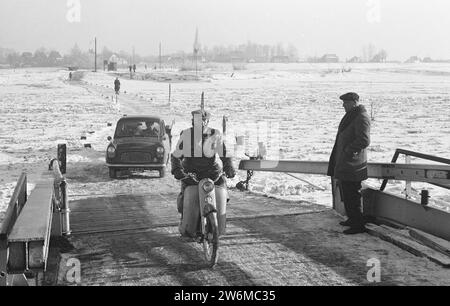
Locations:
column 138, row 128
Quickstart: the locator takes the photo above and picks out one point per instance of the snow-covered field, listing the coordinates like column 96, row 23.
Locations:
column 296, row 105
column 39, row 110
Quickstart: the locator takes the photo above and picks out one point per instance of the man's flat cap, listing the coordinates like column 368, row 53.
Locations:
column 349, row 96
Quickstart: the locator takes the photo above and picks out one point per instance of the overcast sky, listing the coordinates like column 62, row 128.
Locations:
column 402, row 27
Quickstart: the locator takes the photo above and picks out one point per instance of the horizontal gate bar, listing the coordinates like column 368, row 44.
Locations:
column 438, row 174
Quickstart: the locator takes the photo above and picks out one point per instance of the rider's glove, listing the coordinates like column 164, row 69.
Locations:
column 188, row 180
column 229, row 171
column 179, row 173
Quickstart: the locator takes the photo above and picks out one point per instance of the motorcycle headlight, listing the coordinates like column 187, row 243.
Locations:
column 208, row 187
column 111, row 151
column 209, row 200
column 160, row 150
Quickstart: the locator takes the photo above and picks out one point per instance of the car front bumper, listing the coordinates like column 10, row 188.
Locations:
column 146, row 166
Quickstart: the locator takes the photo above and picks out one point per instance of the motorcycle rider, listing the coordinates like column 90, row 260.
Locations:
column 197, row 152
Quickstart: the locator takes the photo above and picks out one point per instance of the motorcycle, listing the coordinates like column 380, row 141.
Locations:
column 204, row 214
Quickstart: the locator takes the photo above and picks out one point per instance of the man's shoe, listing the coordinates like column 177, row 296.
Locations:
column 355, row 230
column 346, row 223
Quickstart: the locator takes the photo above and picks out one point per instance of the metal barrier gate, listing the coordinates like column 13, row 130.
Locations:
column 377, row 203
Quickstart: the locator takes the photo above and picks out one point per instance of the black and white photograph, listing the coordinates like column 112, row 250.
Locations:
column 224, row 150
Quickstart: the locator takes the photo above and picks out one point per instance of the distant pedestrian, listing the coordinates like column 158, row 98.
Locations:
column 70, row 76
column 145, row 67
column 117, row 86
column 348, row 160
column 134, row 68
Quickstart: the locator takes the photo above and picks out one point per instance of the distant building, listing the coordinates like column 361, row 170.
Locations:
column 280, row 59
column 413, row 59
column 329, row 58
column 114, row 61
column 355, row 59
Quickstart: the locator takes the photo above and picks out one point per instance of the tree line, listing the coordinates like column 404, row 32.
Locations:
column 248, row 52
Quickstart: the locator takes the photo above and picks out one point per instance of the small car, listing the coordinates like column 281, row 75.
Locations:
column 139, row 143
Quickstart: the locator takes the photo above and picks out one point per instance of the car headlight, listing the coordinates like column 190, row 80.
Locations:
column 208, row 187
column 160, row 150
column 111, row 151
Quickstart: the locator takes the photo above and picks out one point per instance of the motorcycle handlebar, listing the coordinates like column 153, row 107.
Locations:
column 193, row 176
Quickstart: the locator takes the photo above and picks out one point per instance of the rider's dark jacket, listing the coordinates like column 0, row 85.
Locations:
column 116, row 84
column 205, row 156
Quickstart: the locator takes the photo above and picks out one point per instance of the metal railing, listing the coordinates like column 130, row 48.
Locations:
column 61, row 197
column 408, row 154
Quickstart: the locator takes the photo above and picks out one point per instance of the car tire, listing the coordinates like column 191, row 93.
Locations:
column 162, row 172
column 112, row 173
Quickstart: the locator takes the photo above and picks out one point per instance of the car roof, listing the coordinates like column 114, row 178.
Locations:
column 152, row 118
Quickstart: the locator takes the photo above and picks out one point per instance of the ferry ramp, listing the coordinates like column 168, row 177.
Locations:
column 133, row 239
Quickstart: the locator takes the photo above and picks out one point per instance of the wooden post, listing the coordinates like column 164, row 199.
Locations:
column 224, row 125
column 170, row 90
column 62, row 157
column 202, row 102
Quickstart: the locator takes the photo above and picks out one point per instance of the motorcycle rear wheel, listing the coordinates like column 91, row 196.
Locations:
column 211, row 239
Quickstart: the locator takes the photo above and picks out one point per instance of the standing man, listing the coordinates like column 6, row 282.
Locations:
column 348, row 160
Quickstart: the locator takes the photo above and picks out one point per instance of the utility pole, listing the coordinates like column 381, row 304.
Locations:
column 196, row 49
column 95, row 54
column 160, row 55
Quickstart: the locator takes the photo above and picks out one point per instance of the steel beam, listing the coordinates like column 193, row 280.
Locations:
column 307, row 167
column 428, row 219
column 30, row 236
column 438, row 174
column 18, row 200
column 3, row 261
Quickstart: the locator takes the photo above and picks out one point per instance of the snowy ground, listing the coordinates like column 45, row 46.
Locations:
column 295, row 104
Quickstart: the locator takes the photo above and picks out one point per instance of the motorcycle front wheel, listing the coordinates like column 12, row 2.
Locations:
column 211, row 239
